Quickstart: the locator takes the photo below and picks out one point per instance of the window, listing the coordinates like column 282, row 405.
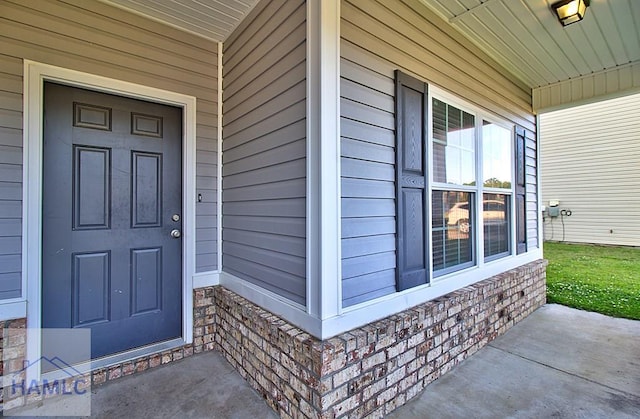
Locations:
column 453, row 187
column 456, row 190
column 497, row 175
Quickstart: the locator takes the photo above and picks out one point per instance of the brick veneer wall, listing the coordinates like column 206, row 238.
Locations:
column 366, row 372
column 371, row 370
column 13, row 347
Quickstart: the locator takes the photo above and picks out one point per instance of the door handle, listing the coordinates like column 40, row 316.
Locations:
column 175, row 233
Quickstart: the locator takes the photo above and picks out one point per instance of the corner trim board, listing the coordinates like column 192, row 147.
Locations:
column 324, row 269
column 219, row 169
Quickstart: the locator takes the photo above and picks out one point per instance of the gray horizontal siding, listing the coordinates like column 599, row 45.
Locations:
column 379, row 37
column 96, row 38
column 10, row 177
column 407, row 35
column 264, row 149
column 368, row 188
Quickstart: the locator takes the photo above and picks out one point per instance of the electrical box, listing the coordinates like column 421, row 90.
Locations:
column 553, row 210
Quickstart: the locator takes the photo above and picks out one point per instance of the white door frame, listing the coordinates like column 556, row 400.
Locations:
column 35, row 74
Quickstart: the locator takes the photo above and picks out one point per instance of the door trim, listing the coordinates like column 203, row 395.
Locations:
column 35, row 74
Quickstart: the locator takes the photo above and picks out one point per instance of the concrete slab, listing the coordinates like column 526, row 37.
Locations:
column 559, row 362
column 592, row 346
column 201, row 386
column 496, row 384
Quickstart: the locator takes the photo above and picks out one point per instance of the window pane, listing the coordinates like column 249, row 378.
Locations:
column 496, row 156
column 452, row 229
column 453, row 145
column 496, row 220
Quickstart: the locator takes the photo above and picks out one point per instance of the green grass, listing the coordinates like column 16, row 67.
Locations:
column 604, row 279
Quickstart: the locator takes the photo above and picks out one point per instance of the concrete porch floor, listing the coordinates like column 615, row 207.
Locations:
column 559, row 362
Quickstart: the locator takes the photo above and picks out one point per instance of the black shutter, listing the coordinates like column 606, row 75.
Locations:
column 411, row 182
column 521, row 191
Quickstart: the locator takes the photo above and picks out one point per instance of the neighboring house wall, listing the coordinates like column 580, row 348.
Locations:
column 377, row 39
column 590, row 162
column 96, row 38
column 264, row 149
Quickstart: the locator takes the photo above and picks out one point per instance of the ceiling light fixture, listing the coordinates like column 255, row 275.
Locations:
column 570, row 11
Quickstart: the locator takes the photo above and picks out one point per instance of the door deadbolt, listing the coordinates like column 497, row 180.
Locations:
column 175, row 217
column 175, row 233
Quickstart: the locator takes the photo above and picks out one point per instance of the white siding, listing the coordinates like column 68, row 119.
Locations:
column 264, row 149
column 96, row 38
column 590, row 162
column 378, row 38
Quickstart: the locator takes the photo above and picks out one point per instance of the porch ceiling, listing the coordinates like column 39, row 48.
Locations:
column 524, row 36
column 527, row 39
column 211, row 19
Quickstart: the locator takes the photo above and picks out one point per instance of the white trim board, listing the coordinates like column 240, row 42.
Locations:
column 323, row 216
column 206, row 279
column 35, row 74
column 370, row 311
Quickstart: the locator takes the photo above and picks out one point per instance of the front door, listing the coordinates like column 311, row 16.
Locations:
column 111, row 218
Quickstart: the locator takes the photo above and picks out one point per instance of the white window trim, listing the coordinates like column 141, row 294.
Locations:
column 480, row 115
column 35, row 74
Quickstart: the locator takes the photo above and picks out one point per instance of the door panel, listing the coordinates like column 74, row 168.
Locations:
column 112, row 180
column 91, row 187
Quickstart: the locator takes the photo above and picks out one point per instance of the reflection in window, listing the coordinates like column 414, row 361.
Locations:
column 453, row 145
column 452, row 230
column 496, row 156
column 496, row 221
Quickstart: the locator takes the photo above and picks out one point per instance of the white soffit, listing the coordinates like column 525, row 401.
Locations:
column 211, row 19
column 526, row 37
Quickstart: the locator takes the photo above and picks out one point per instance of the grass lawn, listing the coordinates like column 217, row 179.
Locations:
column 594, row 278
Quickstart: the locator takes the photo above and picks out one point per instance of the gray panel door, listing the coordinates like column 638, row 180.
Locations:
column 111, row 186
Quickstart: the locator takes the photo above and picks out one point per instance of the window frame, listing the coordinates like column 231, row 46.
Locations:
column 478, row 259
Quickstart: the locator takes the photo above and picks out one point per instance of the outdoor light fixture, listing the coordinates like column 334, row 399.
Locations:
column 570, row 11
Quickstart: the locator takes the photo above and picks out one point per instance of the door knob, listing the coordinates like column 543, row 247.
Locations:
column 175, row 233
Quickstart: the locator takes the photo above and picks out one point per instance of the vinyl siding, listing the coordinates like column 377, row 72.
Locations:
column 592, row 166
column 95, row 38
column 264, row 149
column 593, row 87
column 378, row 38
